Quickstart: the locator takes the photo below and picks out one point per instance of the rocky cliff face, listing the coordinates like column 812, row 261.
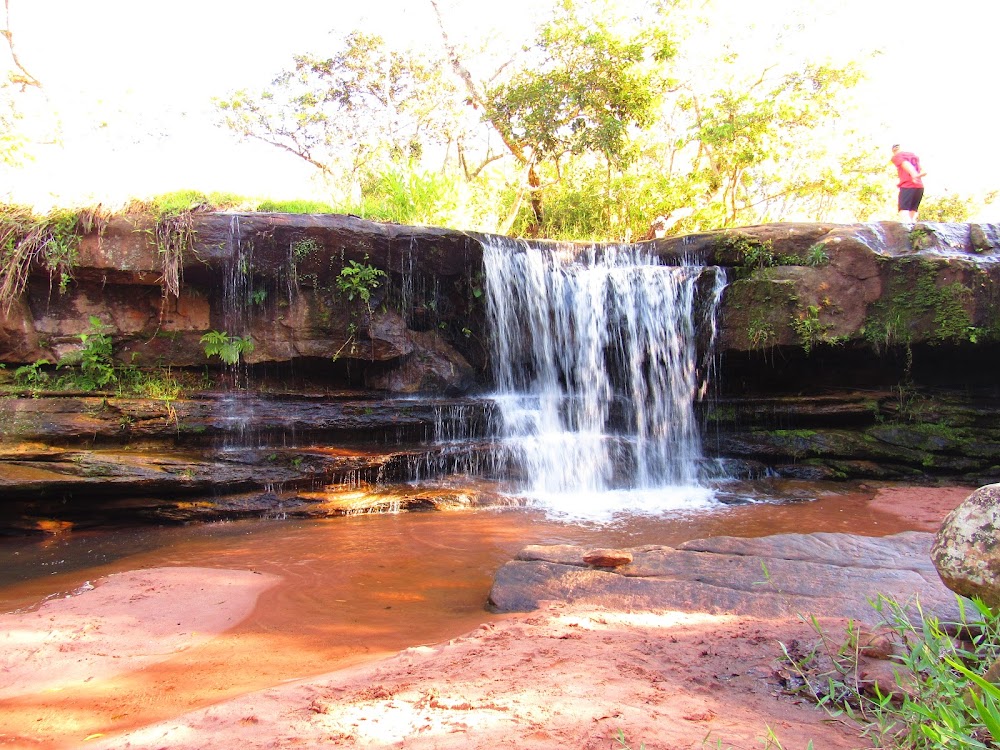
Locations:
column 278, row 279
column 842, row 351
column 281, row 280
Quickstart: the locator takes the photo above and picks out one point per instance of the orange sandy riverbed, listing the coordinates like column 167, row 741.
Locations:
column 152, row 658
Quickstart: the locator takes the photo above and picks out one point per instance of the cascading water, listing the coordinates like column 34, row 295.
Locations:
column 596, row 368
column 238, row 411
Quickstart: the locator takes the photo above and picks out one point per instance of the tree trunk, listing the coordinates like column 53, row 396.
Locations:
column 534, row 182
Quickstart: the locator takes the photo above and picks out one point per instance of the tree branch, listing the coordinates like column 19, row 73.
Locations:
column 25, row 79
column 476, row 97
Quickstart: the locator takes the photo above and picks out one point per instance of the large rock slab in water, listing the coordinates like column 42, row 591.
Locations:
column 784, row 575
column 966, row 549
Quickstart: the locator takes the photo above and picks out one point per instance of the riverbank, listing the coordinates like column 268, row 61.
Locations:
column 563, row 676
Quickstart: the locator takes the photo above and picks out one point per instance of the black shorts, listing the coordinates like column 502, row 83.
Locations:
column 909, row 198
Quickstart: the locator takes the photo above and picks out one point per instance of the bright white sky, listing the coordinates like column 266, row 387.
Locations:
column 132, row 82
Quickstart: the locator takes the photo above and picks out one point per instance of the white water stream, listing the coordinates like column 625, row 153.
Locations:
column 596, row 365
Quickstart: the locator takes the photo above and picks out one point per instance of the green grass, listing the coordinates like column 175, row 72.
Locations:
column 295, row 207
column 940, row 698
column 182, row 201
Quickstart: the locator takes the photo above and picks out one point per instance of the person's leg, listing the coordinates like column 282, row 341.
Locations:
column 918, row 195
column 909, row 201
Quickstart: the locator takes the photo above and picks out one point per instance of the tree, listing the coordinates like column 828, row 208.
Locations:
column 16, row 82
column 580, row 88
column 363, row 107
column 951, row 207
column 613, row 114
column 761, row 146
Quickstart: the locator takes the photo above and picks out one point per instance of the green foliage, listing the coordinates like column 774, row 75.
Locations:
column 365, row 106
column 580, row 90
column 756, row 156
column 13, row 141
column 15, row 87
column 951, row 207
column 816, row 255
column 155, row 383
column 808, row 328
column 586, row 86
column 601, row 123
column 921, row 237
column 227, row 348
column 32, row 376
column 359, row 280
column 294, row 207
column 97, row 367
column 583, row 200
column 407, row 196
column 622, row 742
column 27, row 240
column 759, row 332
column 753, row 255
column 178, row 202
column 93, row 368
column 302, row 249
column 943, row 699
column 758, row 255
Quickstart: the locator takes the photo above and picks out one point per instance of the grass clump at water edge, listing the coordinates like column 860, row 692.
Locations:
column 942, row 693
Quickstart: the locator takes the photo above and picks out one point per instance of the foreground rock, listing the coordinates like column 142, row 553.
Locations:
column 966, row 549
column 785, row 575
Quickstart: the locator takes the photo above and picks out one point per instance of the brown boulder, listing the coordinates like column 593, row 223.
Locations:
column 432, row 366
column 608, row 558
column 966, row 549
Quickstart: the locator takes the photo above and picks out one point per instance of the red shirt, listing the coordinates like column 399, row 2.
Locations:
column 905, row 180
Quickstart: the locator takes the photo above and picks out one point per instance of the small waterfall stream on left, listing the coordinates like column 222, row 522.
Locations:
column 236, row 314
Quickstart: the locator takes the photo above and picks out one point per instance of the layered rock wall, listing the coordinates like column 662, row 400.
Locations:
column 278, row 277
column 274, row 278
column 841, row 352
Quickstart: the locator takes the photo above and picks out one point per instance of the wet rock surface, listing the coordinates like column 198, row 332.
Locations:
column 863, row 351
column 100, row 460
column 832, row 575
column 913, row 433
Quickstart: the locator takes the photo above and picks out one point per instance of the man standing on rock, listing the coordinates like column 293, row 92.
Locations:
column 911, row 184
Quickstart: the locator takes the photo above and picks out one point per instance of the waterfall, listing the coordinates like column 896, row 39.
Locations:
column 596, row 368
column 238, row 410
